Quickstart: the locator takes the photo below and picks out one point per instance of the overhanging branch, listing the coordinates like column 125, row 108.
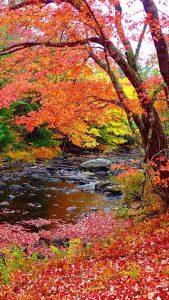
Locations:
column 21, row 46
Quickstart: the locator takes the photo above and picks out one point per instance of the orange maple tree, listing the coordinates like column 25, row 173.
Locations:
column 52, row 47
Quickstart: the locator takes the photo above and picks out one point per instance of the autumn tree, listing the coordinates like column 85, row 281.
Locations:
column 63, row 36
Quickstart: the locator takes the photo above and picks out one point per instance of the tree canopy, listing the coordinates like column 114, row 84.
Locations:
column 56, row 50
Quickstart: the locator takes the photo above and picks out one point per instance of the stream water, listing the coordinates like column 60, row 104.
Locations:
column 49, row 200
column 53, row 193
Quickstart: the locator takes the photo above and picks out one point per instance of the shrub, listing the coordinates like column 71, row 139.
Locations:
column 133, row 271
column 45, row 153
column 132, row 186
column 41, row 137
column 33, row 154
column 19, row 155
column 15, row 259
column 6, row 136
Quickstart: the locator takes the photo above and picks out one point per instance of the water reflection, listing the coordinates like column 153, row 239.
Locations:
column 49, row 200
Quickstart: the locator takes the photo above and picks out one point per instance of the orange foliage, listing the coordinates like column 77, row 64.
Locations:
column 45, row 153
column 129, row 172
column 34, row 154
column 70, row 94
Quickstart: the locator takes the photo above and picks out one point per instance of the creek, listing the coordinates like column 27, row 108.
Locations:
column 58, row 191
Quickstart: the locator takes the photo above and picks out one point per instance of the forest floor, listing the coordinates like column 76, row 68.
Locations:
column 107, row 259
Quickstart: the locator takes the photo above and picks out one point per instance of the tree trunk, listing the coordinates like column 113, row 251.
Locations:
column 157, row 154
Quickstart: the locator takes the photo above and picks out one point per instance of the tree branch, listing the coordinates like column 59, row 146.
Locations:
column 158, row 38
column 157, row 91
column 140, row 41
column 21, row 46
column 125, row 41
column 119, row 91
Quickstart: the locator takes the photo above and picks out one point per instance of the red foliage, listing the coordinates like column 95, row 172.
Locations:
column 131, row 266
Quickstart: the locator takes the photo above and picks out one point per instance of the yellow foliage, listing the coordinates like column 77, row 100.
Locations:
column 132, row 101
column 89, row 141
column 94, row 132
column 75, row 249
column 19, row 155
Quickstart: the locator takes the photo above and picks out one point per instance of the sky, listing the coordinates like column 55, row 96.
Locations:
column 136, row 5
column 163, row 7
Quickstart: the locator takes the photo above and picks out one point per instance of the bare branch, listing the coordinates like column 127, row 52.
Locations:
column 108, row 101
column 140, row 41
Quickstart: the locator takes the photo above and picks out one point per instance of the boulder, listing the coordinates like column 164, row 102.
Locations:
column 27, row 186
column 96, row 164
column 109, row 189
column 88, row 174
column 71, row 208
column 11, row 197
column 93, row 208
column 16, row 187
column 2, row 185
column 60, row 242
column 101, row 173
column 88, row 187
column 82, row 182
column 36, row 176
column 3, row 203
column 102, row 185
column 113, row 191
